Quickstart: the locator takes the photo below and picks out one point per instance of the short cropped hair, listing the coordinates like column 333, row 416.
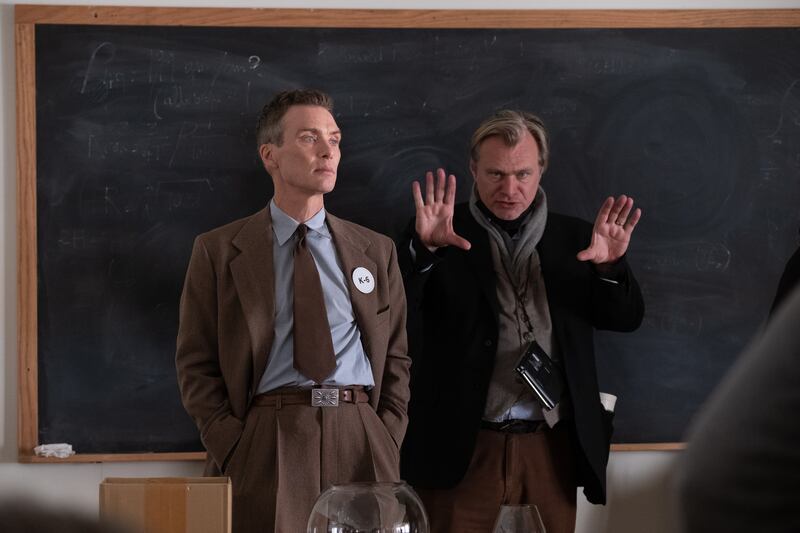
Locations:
column 270, row 129
column 510, row 125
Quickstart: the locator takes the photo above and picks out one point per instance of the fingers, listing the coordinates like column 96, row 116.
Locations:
column 440, row 183
column 604, row 214
column 429, row 194
column 631, row 222
column 618, row 211
column 416, row 192
column 437, row 190
column 450, row 195
column 614, row 216
column 622, row 217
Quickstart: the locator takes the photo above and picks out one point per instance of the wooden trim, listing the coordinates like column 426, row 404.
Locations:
column 116, row 457
column 27, row 16
column 27, row 296
column 27, row 338
column 406, row 18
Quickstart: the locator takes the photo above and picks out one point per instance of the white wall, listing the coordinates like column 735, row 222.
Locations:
column 638, row 481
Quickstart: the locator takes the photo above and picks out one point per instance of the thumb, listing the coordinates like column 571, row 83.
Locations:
column 460, row 242
column 586, row 255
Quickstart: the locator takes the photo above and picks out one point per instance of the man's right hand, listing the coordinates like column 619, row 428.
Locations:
column 435, row 214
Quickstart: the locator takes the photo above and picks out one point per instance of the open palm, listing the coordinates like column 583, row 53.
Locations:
column 612, row 231
column 434, row 223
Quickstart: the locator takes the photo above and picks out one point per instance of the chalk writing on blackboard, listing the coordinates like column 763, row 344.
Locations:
column 145, row 139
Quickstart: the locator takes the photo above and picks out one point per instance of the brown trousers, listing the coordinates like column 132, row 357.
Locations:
column 531, row 468
column 289, row 454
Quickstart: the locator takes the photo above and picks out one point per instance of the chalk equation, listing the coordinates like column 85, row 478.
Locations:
column 686, row 257
column 114, row 201
column 113, row 71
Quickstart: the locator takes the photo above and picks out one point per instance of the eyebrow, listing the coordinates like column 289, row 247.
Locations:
column 319, row 131
column 492, row 170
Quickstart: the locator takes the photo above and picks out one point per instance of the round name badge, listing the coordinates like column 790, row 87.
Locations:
column 363, row 280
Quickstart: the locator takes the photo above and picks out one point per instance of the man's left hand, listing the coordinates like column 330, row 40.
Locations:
column 612, row 231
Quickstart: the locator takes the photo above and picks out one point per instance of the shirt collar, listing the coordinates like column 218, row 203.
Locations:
column 284, row 226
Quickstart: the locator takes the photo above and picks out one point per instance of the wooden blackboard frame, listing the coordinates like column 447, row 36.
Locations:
column 27, row 17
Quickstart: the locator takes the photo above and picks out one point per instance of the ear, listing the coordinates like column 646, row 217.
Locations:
column 267, row 154
column 473, row 168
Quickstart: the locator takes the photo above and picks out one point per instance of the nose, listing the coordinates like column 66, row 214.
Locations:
column 507, row 185
column 325, row 150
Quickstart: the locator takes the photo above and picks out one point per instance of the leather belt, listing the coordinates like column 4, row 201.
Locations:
column 515, row 426
column 316, row 397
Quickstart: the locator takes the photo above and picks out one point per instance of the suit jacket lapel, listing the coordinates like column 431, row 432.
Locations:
column 351, row 248
column 254, row 278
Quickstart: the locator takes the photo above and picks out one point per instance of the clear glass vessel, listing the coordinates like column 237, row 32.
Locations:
column 368, row 508
column 518, row 519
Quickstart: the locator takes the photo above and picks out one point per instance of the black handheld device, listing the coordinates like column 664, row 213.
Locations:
column 542, row 374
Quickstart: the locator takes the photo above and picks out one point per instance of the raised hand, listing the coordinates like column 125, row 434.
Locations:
column 435, row 214
column 612, row 231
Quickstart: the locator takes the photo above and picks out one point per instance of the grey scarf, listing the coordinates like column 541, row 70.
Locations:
column 519, row 249
column 519, row 285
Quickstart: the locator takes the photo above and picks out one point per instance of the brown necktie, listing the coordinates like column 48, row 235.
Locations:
column 313, row 347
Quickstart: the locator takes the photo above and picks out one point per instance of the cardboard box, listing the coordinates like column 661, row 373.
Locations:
column 168, row 505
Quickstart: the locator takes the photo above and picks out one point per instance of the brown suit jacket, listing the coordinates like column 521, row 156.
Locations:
column 227, row 315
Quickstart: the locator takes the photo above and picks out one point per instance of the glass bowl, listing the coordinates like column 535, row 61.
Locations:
column 368, row 508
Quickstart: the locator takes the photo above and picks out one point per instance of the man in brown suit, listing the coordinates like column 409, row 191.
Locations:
column 263, row 422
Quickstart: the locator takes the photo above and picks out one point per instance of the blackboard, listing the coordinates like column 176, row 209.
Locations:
column 144, row 138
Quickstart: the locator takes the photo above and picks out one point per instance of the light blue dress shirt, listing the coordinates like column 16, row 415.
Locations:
column 352, row 365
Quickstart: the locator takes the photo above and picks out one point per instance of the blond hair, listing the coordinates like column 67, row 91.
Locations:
column 510, row 125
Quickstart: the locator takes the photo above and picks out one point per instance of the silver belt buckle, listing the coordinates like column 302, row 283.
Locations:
column 324, row 397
